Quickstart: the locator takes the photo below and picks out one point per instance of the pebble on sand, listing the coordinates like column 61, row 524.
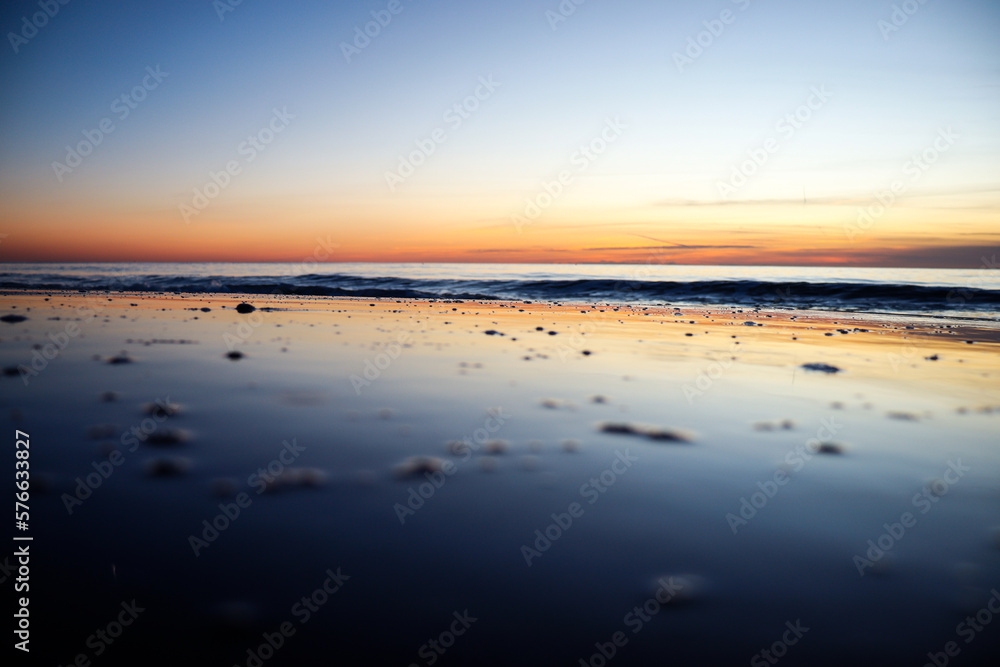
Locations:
column 295, row 477
column 668, row 435
column 658, row 433
column 167, row 466
column 235, row 355
column 457, row 447
column 570, row 445
column 161, row 409
column 937, row 487
column 496, row 447
column 830, row 448
column 822, row 368
column 121, row 358
column 13, row 319
column 416, row 466
column 168, row 437
column 774, row 425
column 245, row 308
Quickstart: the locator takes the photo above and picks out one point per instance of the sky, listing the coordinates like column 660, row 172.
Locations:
column 854, row 132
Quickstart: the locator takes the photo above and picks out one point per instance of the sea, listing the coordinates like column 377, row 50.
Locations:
column 961, row 293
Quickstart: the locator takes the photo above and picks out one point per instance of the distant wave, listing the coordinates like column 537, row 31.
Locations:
column 867, row 296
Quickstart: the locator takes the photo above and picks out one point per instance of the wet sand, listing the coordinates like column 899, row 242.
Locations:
column 657, row 485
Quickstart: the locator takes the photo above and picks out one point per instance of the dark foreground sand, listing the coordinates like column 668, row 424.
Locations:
column 402, row 482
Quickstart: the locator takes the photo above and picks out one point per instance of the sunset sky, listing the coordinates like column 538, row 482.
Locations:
column 502, row 131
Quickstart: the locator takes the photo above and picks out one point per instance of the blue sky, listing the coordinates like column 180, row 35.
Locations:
column 890, row 93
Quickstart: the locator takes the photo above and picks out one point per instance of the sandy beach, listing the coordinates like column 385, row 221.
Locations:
column 408, row 482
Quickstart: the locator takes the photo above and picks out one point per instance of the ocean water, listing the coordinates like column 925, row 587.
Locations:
column 953, row 292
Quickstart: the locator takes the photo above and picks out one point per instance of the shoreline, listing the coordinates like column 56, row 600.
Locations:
column 617, row 446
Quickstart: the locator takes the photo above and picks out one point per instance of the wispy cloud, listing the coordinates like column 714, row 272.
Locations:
column 669, row 247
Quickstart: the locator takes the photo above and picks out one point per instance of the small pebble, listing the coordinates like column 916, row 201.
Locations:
column 161, row 409
column 167, row 437
column 294, row 477
column 167, row 466
column 496, row 447
column 822, row 368
column 416, row 466
column 570, row 445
